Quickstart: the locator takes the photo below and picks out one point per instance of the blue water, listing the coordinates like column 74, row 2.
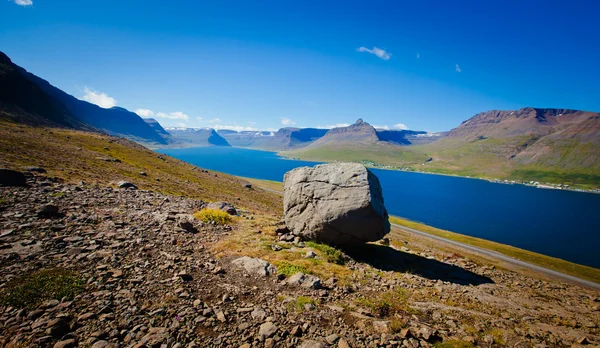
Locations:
column 562, row 224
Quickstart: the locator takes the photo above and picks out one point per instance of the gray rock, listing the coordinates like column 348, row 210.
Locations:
column 255, row 266
column 10, row 177
column 48, row 210
column 311, row 344
column 35, row 169
column 224, row 206
column 126, row 185
column 267, row 329
column 70, row 343
column 337, row 203
column 305, row 281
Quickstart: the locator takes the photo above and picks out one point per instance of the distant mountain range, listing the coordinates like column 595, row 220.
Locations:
column 27, row 98
column 197, row 136
column 552, row 145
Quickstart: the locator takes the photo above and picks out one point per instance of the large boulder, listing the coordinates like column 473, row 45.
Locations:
column 337, row 203
column 10, row 177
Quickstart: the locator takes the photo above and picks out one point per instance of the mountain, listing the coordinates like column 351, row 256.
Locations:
column 197, row 136
column 23, row 101
column 37, row 102
column 562, row 139
column 360, row 131
column 157, row 127
column 250, row 139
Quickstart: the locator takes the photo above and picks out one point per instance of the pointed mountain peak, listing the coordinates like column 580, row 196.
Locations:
column 359, row 121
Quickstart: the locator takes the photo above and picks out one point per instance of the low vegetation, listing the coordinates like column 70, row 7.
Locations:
column 288, row 269
column 386, row 304
column 299, row 304
column 216, row 216
column 330, row 254
column 34, row 288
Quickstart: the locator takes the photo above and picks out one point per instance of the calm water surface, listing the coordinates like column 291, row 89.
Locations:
column 562, row 224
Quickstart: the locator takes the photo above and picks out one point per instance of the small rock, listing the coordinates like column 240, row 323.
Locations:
column 224, row 206
column 342, row 343
column 126, row 185
column 70, row 343
column 331, row 339
column 311, row 344
column 48, row 210
column 267, row 329
column 305, row 281
column 255, row 266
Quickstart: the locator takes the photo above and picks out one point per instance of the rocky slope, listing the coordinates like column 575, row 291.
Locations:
column 149, row 275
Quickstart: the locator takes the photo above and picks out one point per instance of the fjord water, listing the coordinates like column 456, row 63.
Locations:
column 562, row 224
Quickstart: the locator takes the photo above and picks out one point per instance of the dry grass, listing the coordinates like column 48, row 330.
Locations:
column 79, row 156
column 246, row 241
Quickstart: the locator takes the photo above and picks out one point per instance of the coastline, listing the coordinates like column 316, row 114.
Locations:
column 520, row 256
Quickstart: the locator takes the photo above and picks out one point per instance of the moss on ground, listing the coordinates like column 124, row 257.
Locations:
column 34, row 288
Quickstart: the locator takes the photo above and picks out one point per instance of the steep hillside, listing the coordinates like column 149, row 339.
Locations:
column 551, row 145
column 157, row 127
column 23, row 101
column 359, row 132
column 37, row 102
column 97, row 159
column 198, row 136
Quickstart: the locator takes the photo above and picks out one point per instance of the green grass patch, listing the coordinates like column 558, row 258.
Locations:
column 387, row 303
column 298, row 304
column 58, row 194
column 578, row 179
column 208, row 215
column 549, row 262
column 330, row 254
column 289, row 269
column 48, row 284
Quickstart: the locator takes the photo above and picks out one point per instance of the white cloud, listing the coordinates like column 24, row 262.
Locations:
column 337, row 125
column 144, row 112
column 381, row 127
column 400, row 126
column 24, row 2
column 458, row 69
column 177, row 115
column 239, row 128
column 215, row 120
column 376, row 51
column 98, row 98
column 287, row 122
column 199, row 118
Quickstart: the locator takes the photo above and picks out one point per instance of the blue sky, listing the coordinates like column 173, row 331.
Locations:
column 428, row 65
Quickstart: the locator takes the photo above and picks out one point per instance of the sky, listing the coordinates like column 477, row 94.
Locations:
column 245, row 65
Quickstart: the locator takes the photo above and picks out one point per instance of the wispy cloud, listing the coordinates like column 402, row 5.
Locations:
column 337, row 125
column 287, row 122
column 458, row 69
column 144, row 112
column 103, row 100
column 400, row 126
column 24, row 2
column 214, row 120
column 376, row 51
column 239, row 128
column 177, row 115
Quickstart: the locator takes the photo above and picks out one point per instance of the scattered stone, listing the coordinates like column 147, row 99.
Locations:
column 224, row 206
column 70, row 343
column 126, row 185
column 267, row 329
column 49, row 210
column 310, row 254
column 304, row 280
column 35, row 169
column 311, row 344
column 255, row 266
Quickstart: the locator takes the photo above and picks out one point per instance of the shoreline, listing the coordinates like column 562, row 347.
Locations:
column 517, row 256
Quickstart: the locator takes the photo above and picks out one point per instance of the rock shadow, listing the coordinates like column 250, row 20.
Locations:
column 386, row 258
